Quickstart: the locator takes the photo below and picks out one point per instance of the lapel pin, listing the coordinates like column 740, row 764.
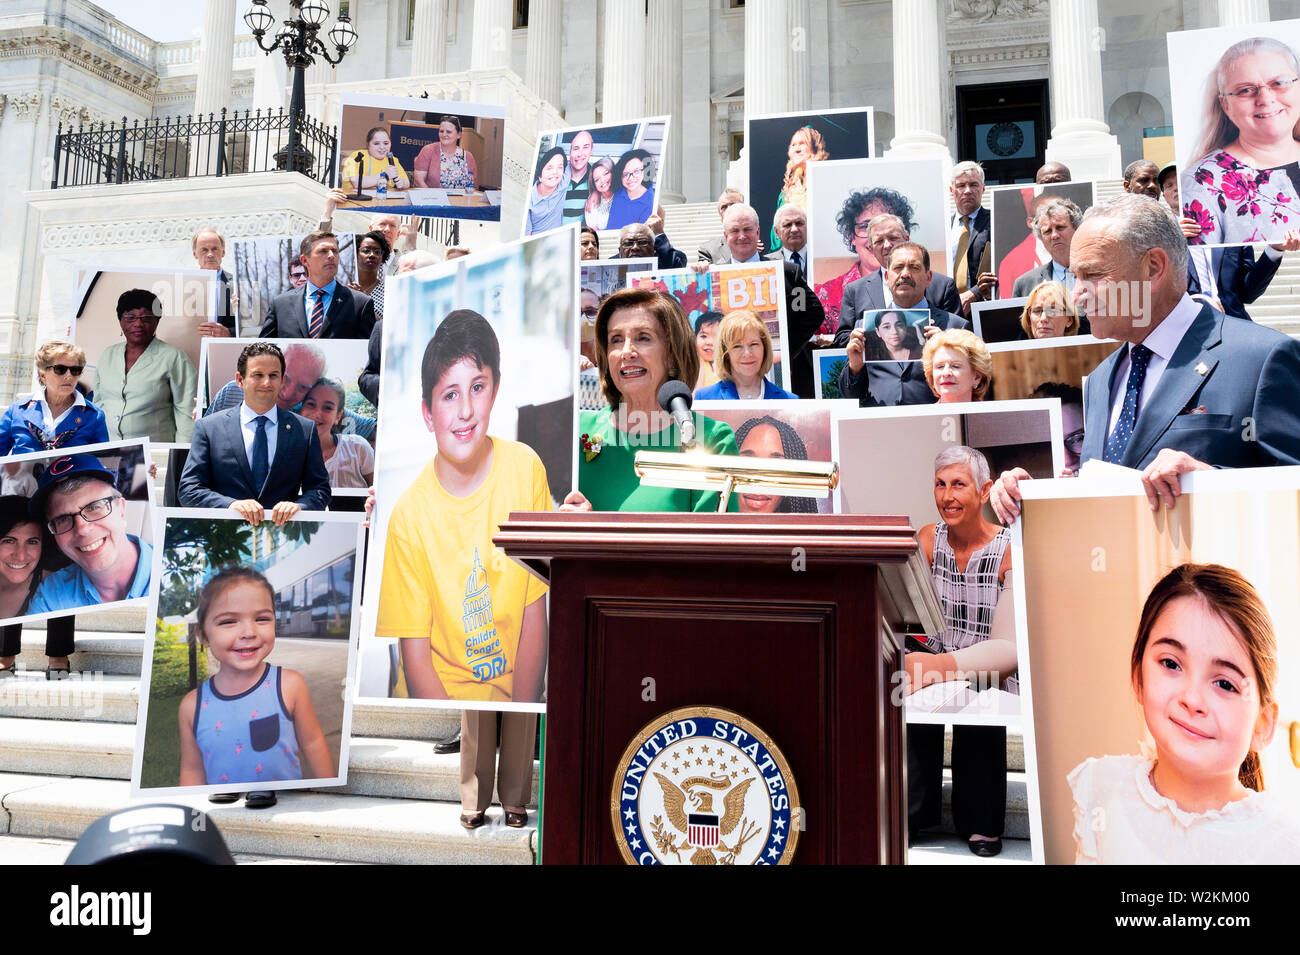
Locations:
column 1201, row 368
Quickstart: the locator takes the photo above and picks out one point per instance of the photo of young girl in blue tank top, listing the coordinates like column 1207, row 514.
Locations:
column 252, row 722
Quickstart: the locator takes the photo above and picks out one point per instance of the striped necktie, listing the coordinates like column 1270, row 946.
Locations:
column 317, row 320
column 961, row 268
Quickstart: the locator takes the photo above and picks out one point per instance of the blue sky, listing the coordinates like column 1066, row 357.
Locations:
column 165, row 22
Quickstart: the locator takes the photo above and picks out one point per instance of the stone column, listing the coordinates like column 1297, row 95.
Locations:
column 216, row 57
column 778, row 75
column 624, row 90
column 490, row 39
column 663, row 96
column 1080, row 139
column 918, row 44
column 545, row 38
column 1240, row 13
column 429, row 38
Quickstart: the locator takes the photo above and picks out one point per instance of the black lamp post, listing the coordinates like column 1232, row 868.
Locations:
column 300, row 42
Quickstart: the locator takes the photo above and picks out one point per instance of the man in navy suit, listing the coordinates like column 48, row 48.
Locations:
column 324, row 307
column 969, row 231
column 1192, row 389
column 889, row 383
column 638, row 240
column 869, row 292
column 256, row 456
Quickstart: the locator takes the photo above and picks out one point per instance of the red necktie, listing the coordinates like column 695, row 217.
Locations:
column 317, row 320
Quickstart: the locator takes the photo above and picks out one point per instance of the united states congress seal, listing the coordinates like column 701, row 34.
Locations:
column 701, row 785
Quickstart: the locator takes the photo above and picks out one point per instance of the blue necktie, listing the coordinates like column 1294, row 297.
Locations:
column 1118, row 441
column 261, row 462
column 317, row 320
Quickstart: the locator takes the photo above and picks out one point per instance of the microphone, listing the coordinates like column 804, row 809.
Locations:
column 675, row 398
column 360, row 159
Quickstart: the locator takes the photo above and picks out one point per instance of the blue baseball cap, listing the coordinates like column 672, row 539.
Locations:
column 60, row 469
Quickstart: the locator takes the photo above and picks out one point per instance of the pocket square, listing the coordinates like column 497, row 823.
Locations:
column 1199, row 409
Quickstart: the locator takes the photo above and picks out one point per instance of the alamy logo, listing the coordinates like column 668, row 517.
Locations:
column 75, row 907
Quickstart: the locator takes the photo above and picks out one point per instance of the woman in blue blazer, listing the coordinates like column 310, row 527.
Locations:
column 744, row 359
column 56, row 415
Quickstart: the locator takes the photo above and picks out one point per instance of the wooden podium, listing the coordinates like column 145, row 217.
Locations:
column 794, row 621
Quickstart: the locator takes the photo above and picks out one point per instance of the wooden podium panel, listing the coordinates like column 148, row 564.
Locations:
column 777, row 617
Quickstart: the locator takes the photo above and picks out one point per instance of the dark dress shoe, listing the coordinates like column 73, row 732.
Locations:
column 516, row 820
column 472, row 820
column 221, row 798
column 987, row 848
column 445, row 747
column 259, row 800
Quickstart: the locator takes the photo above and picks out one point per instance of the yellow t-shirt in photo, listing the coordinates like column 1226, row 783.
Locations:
column 373, row 167
column 443, row 579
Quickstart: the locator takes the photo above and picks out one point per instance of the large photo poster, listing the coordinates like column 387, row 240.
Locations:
column 602, row 176
column 1018, row 246
column 267, row 267
column 244, row 677
column 421, row 156
column 1236, row 104
column 477, row 387
column 1161, row 668
column 781, row 148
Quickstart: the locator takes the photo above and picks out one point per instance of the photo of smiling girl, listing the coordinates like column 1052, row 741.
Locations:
column 1204, row 671
column 253, row 721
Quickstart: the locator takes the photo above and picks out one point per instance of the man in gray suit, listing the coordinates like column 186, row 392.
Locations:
column 791, row 226
column 888, row 383
column 324, row 307
column 716, row 250
column 869, row 292
column 1191, row 389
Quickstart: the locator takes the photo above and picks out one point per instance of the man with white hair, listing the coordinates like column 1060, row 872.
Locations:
column 791, row 226
column 209, row 249
column 712, row 251
column 803, row 310
column 1054, row 221
column 1192, row 388
column 968, row 235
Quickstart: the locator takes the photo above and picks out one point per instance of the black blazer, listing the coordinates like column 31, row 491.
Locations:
column 885, row 384
column 217, row 472
column 868, row 293
column 1227, row 398
column 1242, row 278
column 351, row 315
column 368, row 380
column 980, row 232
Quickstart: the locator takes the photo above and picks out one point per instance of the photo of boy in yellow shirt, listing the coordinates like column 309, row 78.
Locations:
column 472, row 623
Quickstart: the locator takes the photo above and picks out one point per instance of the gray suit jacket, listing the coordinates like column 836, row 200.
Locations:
column 714, row 251
column 868, row 292
column 351, row 315
column 1031, row 279
column 1227, row 398
column 885, row 384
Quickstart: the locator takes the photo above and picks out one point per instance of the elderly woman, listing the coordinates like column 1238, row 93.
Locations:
column 1242, row 188
column 743, row 361
column 145, row 386
column 376, row 160
column 806, row 145
column 642, row 341
column 767, row 437
column 56, row 415
column 596, row 211
column 1048, row 312
column 24, row 545
column 853, row 220
column 958, row 366
column 444, row 164
column 546, row 199
column 970, row 562
column 635, row 201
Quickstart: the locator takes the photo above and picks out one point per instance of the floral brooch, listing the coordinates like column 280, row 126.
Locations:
column 591, row 445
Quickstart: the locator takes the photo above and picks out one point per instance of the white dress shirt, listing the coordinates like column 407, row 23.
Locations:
column 246, row 416
column 1163, row 342
column 50, row 422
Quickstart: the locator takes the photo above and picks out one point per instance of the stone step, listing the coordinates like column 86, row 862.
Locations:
column 28, row 850
column 397, row 721
column 305, row 824
column 104, row 698
column 97, row 651
column 934, row 848
column 114, row 620
column 407, row 769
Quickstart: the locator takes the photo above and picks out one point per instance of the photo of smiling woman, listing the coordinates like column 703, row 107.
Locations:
column 375, row 160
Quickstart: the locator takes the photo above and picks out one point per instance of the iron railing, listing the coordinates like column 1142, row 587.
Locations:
column 177, row 147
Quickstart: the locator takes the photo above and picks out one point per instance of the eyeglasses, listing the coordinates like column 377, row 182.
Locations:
column 590, row 312
column 94, row 511
column 862, row 229
column 61, row 370
column 1074, row 441
column 1277, row 86
column 635, row 244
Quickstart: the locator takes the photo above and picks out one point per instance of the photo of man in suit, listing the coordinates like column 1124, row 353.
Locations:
column 888, row 383
column 969, row 230
column 870, row 293
column 324, row 307
column 256, row 456
column 1192, row 389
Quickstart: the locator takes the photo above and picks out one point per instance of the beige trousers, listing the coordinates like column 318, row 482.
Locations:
column 479, row 767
